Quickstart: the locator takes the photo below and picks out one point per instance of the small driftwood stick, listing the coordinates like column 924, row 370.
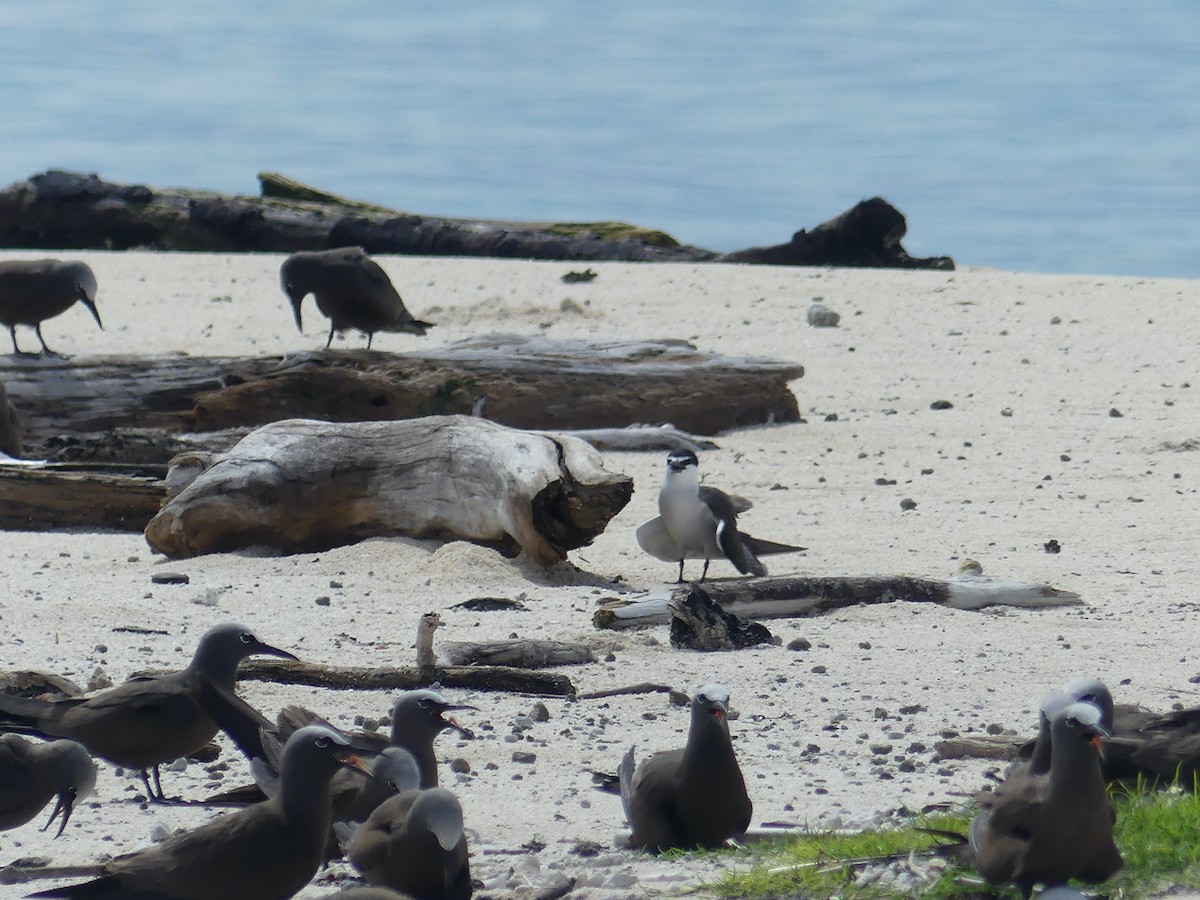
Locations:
column 361, row 678
column 981, row 746
column 646, row 687
column 642, row 437
column 525, row 654
column 789, row 596
column 426, row 626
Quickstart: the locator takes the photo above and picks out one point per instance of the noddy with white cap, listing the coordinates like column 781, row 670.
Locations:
column 694, row 797
column 31, row 774
column 151, row 719
column 34, row 290
column 351, row 290
column 414, row 842
column 696, row 521
column 1059, row 826
column 268, row 851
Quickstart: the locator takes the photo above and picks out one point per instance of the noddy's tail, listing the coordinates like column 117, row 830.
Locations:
column 23, row 713
column 410, row 326
column 105, row 886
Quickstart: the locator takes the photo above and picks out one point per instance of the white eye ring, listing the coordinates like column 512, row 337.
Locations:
column 322, row 742
column 424, row 704
column 245, row 637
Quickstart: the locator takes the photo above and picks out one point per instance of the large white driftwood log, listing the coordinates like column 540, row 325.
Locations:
column 300, row 484
column 788, row 596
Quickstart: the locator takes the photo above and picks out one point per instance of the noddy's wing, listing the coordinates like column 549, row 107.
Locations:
column 653, row 795
column 625, row 780
column 242, row 722
column 728, row 538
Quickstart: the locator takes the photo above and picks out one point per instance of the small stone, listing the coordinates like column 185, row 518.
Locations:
column 323, row 600
column 821, row 316
column 460, row 765
column 1052, row 546
column 993, row 728
column 941, row 404
column 99, row 680
column 880, row 749
column 800, row 644
column 864, row 645
column 540, row 713
column 101, row 648
column 679, row 698
column 169, row 578
column 177, row 765
column 1115, row 413
column 336, row 585
column 159, row 832
column 524, row 756
column 1006, row 412
column 819, row 670
column 908, row 503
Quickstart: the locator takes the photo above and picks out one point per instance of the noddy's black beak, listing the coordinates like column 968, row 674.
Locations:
column 452, row 722
column 91, row 305
column 296, row 301
column 66, row 803
column 267, row 650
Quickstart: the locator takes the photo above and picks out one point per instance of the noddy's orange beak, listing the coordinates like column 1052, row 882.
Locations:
column 352, row 760
column 1095, row 742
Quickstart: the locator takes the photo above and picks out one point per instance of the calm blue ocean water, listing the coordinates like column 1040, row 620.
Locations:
column 1055, row 137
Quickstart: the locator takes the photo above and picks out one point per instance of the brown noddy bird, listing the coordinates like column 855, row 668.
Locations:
column 33, row 290
column 1036, row 763
column 268, row 851
column 351, row 290
column 31, row 774
column 696, row 521
column 1157, row 748
column 1055, row 827
column 414, row 842
column 10, row 426
column 694, row 797
column 151, row 719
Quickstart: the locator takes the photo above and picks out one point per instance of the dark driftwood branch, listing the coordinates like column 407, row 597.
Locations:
column 359, row 678
column 699, row 623
column 70, row 210
column 33, row 499
column 646, row 687
column 520, row 381
column 524, row 654
column 789, row 596
column 299, row 485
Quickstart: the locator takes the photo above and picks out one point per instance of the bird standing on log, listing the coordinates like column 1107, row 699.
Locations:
column 33, row 290
column 351, row 290
column 696, row 521
column 694, row 797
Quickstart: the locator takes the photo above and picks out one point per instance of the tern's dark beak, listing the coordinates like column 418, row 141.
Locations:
column 296, row 313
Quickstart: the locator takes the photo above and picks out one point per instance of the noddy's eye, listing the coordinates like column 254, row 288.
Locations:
column 322, row 742
column 424, row 704
column 245, row 637
column 393, row 785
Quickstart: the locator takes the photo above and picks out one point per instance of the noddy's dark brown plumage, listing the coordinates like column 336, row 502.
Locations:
column 31, row 774
column 414, row 842
column 268, row 851
column 1144, row 746
column 152, row 719
column 351, row 290
column 1056, row 827
column 694, row 797
column 34, row 290
column 10, row 426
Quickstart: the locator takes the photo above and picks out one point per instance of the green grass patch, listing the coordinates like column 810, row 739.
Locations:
column 1158, row 834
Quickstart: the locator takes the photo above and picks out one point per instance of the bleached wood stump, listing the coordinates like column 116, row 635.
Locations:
column 299, row 484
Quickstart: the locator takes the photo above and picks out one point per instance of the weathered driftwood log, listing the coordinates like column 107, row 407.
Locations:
column 361, row 678
column 525, row 654
column 70, row 210
column 698, row 623
column 787, row 596
column 519, row 381
column 642, row 438
column 867, row 235
column 981, row 746
column 300, row 484
column 27, row 683
column 78, row 496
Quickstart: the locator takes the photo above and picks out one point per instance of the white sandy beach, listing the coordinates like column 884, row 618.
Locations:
column 1033, row 365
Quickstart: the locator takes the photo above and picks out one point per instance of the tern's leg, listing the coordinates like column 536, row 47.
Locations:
column 705, row 571
column 679, row 580
column 46, row 350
